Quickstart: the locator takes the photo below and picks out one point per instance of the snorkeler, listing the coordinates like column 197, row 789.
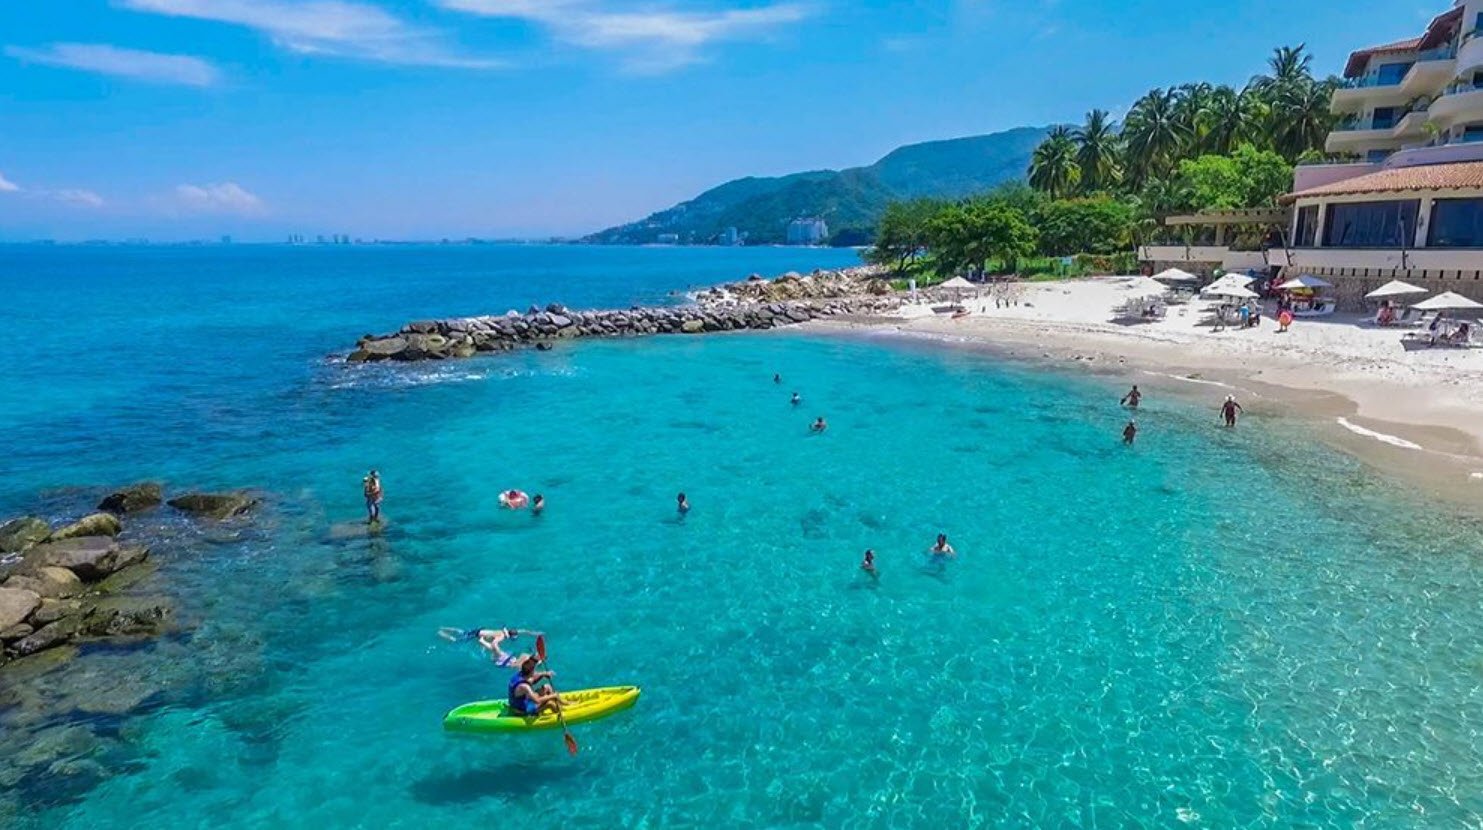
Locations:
column 942, row 548
column 489, row 639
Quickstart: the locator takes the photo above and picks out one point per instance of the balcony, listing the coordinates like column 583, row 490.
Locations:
column 1411, row 126
column 1370, row 90
column 1431, row 71
column 1470, row 54
column 1358, row 137
column 1458, row 103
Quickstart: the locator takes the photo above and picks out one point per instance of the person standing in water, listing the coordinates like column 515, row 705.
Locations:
column 1130, row 432
column 1230, row 409
column 819, row 425
column 537, row 504
column 371, row 487
column 797, row 399
column 777, row 378
column 1131, row 399
column 942, row 548
column 868, row 564
column 682, row 504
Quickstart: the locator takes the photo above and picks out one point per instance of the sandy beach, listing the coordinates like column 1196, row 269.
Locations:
column 1417, row 412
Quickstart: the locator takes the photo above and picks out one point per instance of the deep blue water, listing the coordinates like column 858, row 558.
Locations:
column 1210, row 629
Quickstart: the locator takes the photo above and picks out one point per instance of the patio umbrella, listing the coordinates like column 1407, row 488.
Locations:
column 1144, row 286
column 1394, row 288
column 1448, row 301
column 1228, row 282
column 1305, row 281
column 958, row 284
column 1175, row 275
column 1236, row 291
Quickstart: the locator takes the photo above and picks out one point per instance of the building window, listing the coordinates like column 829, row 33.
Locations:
column 1371, row 224
column 1392, row 73
column 1456, row 223
column 1306, row 227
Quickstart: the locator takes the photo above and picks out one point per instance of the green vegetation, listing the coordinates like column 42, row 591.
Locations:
column 851, row 201
column 1094, row 191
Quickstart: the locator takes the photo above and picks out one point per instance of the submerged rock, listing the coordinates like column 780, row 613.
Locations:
column 90, row 557
column 214, row 505
column 114, row 616
column 98, row 524
column 17, row 535
column 132, row 499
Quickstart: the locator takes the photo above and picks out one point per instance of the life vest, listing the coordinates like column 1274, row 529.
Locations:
column 517, row 703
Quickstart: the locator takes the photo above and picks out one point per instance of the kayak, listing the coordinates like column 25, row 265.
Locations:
column 581, row 706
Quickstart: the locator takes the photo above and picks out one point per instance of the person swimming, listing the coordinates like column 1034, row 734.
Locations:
column 942, row 548
column 819, row 425
column 868, row 564
column 513, row 499
column 777, row 378
column 682, row 504
column 489, row 639
column 1130, row 432
column 1131, row 399
column 797, row 399
column 526, row 698
column 537, row 504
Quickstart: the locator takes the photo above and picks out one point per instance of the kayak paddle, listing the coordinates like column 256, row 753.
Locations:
column 566, row 734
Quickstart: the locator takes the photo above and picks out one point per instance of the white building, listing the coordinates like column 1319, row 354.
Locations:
column 813, row 231
column 1411, row 207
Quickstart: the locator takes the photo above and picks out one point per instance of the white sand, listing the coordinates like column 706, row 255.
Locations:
column 1383, row 397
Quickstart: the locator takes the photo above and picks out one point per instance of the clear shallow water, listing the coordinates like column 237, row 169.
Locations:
column 1211, row 629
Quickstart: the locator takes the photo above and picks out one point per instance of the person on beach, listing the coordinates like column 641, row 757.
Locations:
column 797, row 399
column 942, row 548
column 1133, row 397
column 868, row 564
column 526, row 697
column 1230, row 409
column 489, row 639
column 682, row 504
column 371, row 487
column 537, row 504
column 819, row 425
column 1284, row 319
column 1130, row 432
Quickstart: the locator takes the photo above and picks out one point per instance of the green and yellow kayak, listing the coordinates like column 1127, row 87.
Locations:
column 580, row 706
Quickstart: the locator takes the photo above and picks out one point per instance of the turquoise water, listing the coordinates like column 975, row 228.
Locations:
column 1210, row 629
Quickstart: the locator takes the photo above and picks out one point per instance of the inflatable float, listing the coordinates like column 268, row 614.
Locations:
column 513, row 499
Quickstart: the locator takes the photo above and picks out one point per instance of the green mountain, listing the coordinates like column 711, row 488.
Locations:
column 849, row 200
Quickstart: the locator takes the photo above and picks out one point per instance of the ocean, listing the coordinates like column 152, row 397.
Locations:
column 1212, row 628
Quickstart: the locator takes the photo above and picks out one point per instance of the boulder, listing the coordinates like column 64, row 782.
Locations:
column 126, row 578
column 52, row 610
column 48, row 581
column 90, row 557
column 98, row 524
column 15, row 632
column 133, row 498
column 692, row 326
column 214, row 505
column 359, row 356
column 18, row 534
column 48, row 636
column 384, row 347
column 16, row 604
column 112, row 616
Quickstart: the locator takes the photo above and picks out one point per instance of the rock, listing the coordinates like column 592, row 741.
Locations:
column 52, row 610
column 543, row 346
column 214, row 505
column 127, row 577
column 48, row 636
column 16, row 604
column 132, row 499
column 90, row 557
column 422, row 327
column 692, row 326
column 462, row 350
column 48, row 581
column 358, row 356
column 560, row 321
column 384, row 347
column 98, row 524
column 112, row 616
column 18, row 534
column 15, row 632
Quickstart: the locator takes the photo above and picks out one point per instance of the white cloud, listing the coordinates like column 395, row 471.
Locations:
column 227, row 197
column 153, row 67
column 325, row 27
column 74, row 196
column 656, row 38
column 7, row 186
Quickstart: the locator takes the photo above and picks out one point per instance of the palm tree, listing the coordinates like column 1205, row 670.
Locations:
column 1154, row 135
column 1053, row 167
column 1190, row 102
column 1299, row 118
column 1230, row 118
column 1289, row 65
column 1098, row 152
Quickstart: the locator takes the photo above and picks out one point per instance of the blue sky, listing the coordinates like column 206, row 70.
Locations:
column 177, row 119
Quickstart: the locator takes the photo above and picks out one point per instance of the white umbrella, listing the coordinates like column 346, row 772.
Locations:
column 1448, row 301
column 1305, row 281
column 1226, row 283
column 958, row 282
column 1175, row 275
column 1236, row 291
column 1394, row 288
column 1143, row 286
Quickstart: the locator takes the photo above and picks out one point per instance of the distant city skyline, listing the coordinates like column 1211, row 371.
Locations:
column 426, row 119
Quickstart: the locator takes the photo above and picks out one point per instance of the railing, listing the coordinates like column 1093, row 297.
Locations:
column 1354, row 125
column 1371, row 80
column 1441, row 53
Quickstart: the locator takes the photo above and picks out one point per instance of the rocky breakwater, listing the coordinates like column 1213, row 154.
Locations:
column 741, row 306
column 66, row 583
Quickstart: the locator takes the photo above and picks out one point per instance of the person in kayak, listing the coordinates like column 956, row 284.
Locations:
column 526, row 698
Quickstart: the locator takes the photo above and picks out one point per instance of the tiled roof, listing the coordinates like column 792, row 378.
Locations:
column 1455, row 175
column 1358, row 59
column 1441, row 29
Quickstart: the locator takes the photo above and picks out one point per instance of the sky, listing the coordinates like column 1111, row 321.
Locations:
column 417, row 119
